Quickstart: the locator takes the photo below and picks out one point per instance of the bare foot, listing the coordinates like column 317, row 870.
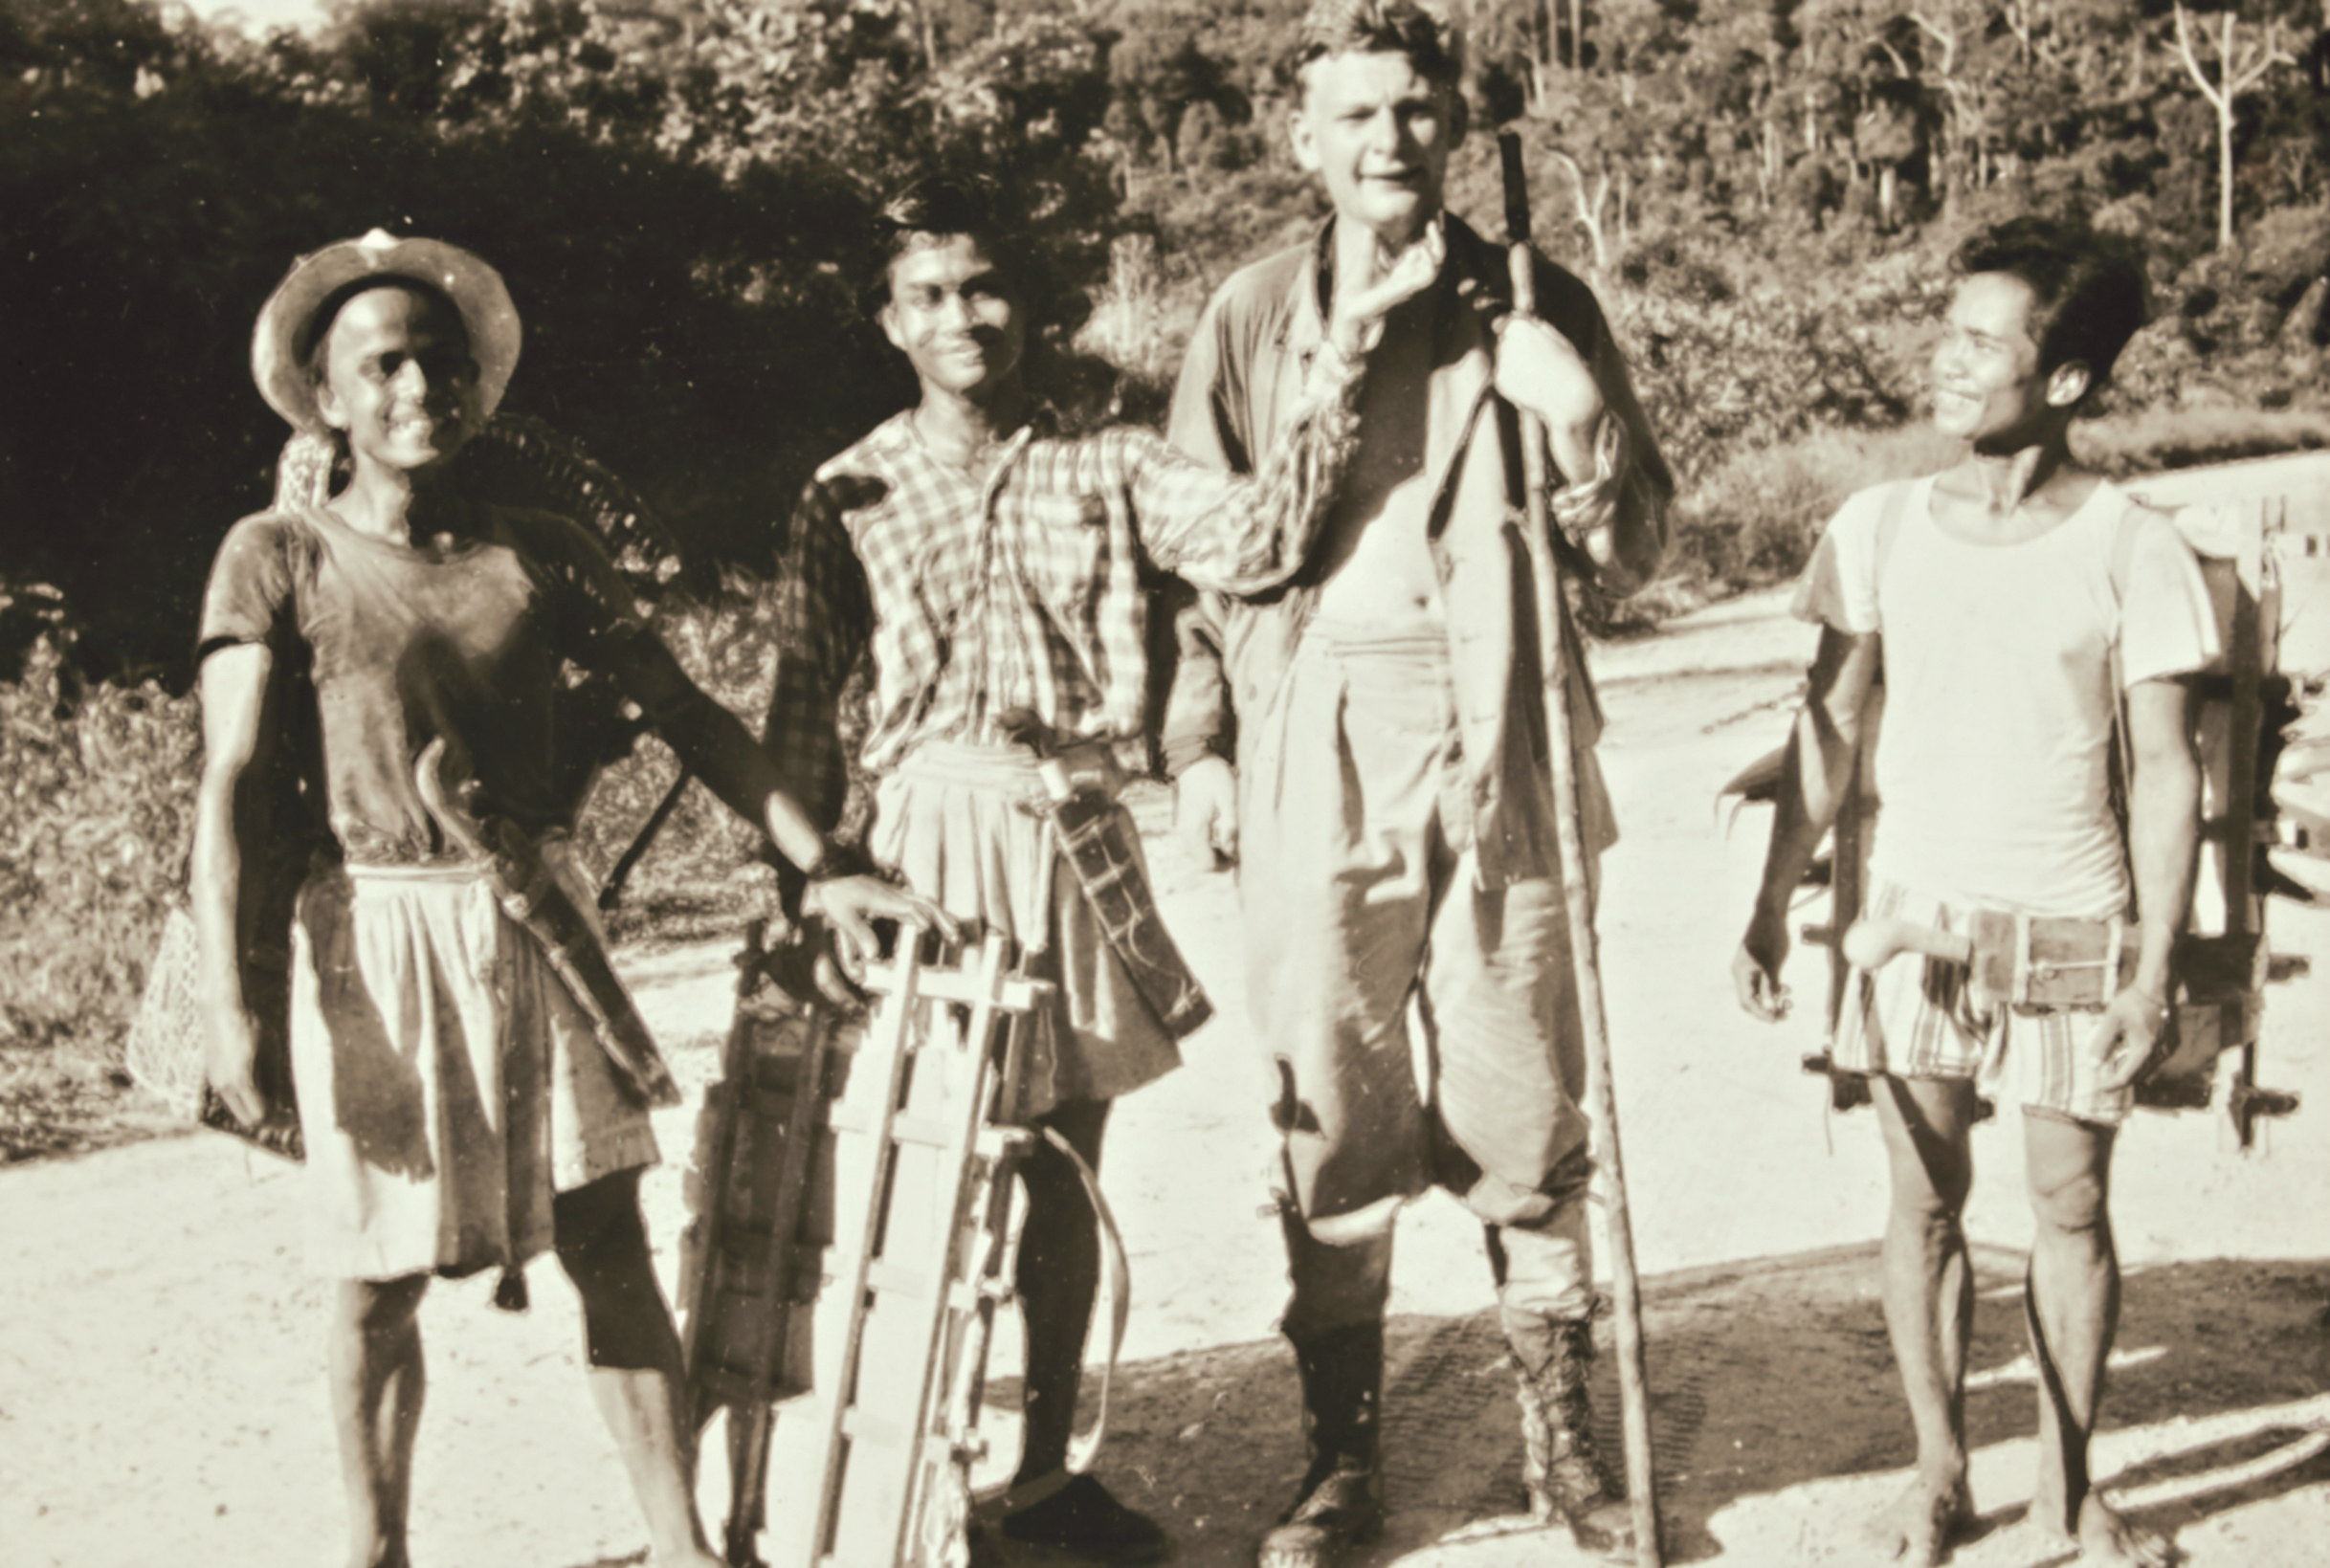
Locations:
column 2110, row 1539
column 1919, row 1525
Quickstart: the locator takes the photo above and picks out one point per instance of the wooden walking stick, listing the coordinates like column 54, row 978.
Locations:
column 1634, row 1393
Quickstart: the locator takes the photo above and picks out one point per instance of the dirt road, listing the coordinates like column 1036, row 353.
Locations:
column 161, row 1380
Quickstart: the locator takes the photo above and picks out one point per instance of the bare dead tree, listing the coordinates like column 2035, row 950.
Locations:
column 2241, row 64
column 1590, row 208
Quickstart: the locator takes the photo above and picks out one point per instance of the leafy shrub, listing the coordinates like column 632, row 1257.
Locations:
column 1753, row 518
column 1723, row 372
column 2238, row 330
column 97, row 794
column 96, row 812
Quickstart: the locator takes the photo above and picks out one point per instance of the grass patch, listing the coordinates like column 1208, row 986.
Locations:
column 70, row 1101
column 2156, row 439
column 1755, row 519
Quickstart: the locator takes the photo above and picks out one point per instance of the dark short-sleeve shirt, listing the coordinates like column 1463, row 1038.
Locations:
column 473, row 643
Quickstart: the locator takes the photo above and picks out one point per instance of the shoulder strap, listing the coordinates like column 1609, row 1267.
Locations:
column 1115, row 1291
column 2124, row 549
column 1890, row 520
column 2122, row 782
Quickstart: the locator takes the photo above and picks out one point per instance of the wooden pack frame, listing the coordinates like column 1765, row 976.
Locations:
column 851, row 1198
column 2243, row 522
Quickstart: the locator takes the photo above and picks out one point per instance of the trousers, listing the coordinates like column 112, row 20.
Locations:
column 1426, row 1030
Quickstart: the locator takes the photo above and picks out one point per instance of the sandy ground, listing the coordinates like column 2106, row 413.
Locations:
column 161, row 1379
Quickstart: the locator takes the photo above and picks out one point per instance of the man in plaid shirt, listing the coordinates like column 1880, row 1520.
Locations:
column 992, row 567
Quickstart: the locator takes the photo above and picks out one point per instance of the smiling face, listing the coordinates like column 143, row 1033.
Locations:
column 1379, row 132
column 1988, row 386
column 398, row 379
column 953, row 316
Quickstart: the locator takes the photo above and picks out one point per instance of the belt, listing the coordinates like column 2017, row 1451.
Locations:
column 1012, row 770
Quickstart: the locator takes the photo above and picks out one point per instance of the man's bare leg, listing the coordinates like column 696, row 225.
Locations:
column 1057, row 1276
column 1057, row 1279
column 636, row 1375
column 1929, row 1305
column 378, row 1380
column 2072, row 1307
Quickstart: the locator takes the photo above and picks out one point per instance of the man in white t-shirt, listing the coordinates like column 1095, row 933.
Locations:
column 2003, row 600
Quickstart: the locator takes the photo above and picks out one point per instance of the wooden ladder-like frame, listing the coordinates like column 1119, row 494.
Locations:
column 852, row 1200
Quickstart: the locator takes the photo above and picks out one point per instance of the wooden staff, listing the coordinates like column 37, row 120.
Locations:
column 1545, row 572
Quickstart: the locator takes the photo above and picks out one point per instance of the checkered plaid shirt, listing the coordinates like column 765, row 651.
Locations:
column 1023, row 590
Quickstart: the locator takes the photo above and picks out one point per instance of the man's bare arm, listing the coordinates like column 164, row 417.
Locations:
column 2163, row 834
column 714, row 745
column 1195, row 739
column 1817, row 767
column 234, row 711
column 1637, row 537
column 1614, row 484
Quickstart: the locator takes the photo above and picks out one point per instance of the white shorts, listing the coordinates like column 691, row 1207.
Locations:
column 449, row 1086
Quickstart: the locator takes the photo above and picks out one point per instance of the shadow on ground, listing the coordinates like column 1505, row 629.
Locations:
column 1763, row 1377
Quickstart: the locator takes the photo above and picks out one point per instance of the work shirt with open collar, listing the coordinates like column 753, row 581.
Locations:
column 1249, row 347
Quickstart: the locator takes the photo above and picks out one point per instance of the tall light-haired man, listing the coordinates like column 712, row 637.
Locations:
column 1387, row 783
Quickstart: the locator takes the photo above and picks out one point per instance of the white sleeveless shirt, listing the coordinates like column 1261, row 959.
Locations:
column 1993, row 758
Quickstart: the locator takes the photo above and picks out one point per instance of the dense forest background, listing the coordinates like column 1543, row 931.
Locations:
column 1762, row 191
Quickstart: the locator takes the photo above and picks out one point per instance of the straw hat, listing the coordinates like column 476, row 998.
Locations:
column 285, row 336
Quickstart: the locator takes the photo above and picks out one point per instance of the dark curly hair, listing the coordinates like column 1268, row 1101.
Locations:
column 939, row 207
column 2087, row 288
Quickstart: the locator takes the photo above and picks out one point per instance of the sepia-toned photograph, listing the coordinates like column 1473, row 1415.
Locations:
column 690, row 692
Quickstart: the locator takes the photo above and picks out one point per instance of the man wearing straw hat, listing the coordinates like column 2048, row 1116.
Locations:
column 463, row 1104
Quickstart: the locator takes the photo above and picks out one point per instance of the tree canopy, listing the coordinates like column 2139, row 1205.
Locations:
column 678, row 191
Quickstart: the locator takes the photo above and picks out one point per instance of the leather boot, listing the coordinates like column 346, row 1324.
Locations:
column 1561, row 1464
column 1342, row 1500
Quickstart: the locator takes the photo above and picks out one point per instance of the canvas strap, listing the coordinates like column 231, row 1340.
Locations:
column 2124, row 760
column 1114, row 1306
column 1890, row 520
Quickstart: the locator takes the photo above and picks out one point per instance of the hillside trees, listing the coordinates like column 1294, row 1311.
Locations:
column 2225, row 61
column 677, row 193
column 1159, row 79
column 677, row 190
